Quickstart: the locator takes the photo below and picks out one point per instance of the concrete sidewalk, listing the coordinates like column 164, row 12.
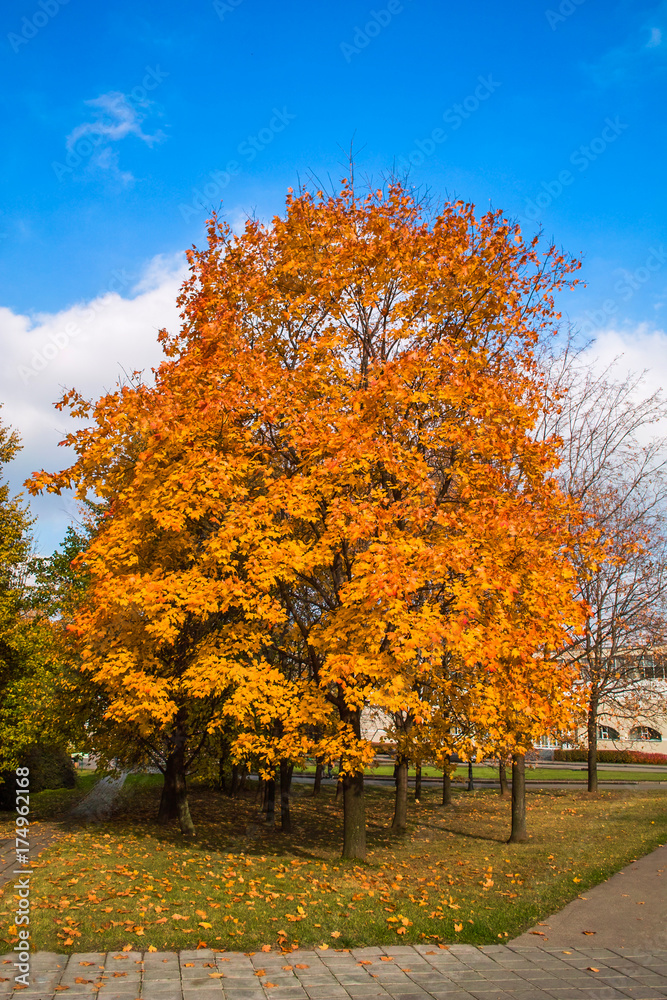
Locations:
column 461, row 972
column 628, row 910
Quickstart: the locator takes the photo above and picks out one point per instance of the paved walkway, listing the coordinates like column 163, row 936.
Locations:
column 629, row 909
column 461, row 972
column 41, row 836
column 97, row 806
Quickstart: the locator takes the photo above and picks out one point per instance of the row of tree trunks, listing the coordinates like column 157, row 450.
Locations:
column 174, row 800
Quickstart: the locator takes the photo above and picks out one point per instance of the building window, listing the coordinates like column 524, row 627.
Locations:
column 645, row 733
column 608, row 733
column 650, row 670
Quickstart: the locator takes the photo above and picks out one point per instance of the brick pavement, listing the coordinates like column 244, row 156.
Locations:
column 460, row 972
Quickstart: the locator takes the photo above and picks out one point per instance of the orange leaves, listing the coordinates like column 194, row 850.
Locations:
column 332, row 496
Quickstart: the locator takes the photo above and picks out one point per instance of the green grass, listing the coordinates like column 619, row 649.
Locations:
column 548, row 774
column 239, row 886
column 545, row 774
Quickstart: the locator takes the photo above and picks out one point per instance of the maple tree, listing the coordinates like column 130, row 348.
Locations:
column 332, row 480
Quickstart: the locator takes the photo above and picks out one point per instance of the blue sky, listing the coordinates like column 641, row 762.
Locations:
column 126, row 122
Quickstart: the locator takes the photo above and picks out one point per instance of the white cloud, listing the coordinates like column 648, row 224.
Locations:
column 115, row 117
column 85, row 346
column 639, row 350
column 642, row 348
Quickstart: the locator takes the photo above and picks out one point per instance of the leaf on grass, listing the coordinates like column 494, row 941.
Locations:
column 335, row 934
column 266, row 947
column 458, row 928
column 205, row 925
column 152, row 947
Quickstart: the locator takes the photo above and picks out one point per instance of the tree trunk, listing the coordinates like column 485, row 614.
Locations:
column 234, row 786
column 243, row 780
column 592, row 724
column 418, row 782
column 319, row 771
column 270, row 801
column 502, row 774
column 446, row 784
column 354, row 817
column 339, row 783
column 286, row 770
column 354, row 805
column 168, row 809
column 471, row 779
column 400, row 820
column 174, row 800
column 519, row 832
column 222, row 764
column 182, row 804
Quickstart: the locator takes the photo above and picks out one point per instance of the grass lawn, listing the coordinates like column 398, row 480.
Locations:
column 547, row 774
column 239, row 886
column 481, row 773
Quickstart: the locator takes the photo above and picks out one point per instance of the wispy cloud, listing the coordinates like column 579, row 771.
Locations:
column 114, row 116
column 642, row 55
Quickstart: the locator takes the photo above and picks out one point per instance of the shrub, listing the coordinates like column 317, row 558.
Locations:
column 50, row 767
column 612, row 756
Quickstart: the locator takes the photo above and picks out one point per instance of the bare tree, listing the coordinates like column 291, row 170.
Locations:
column 617, row 473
